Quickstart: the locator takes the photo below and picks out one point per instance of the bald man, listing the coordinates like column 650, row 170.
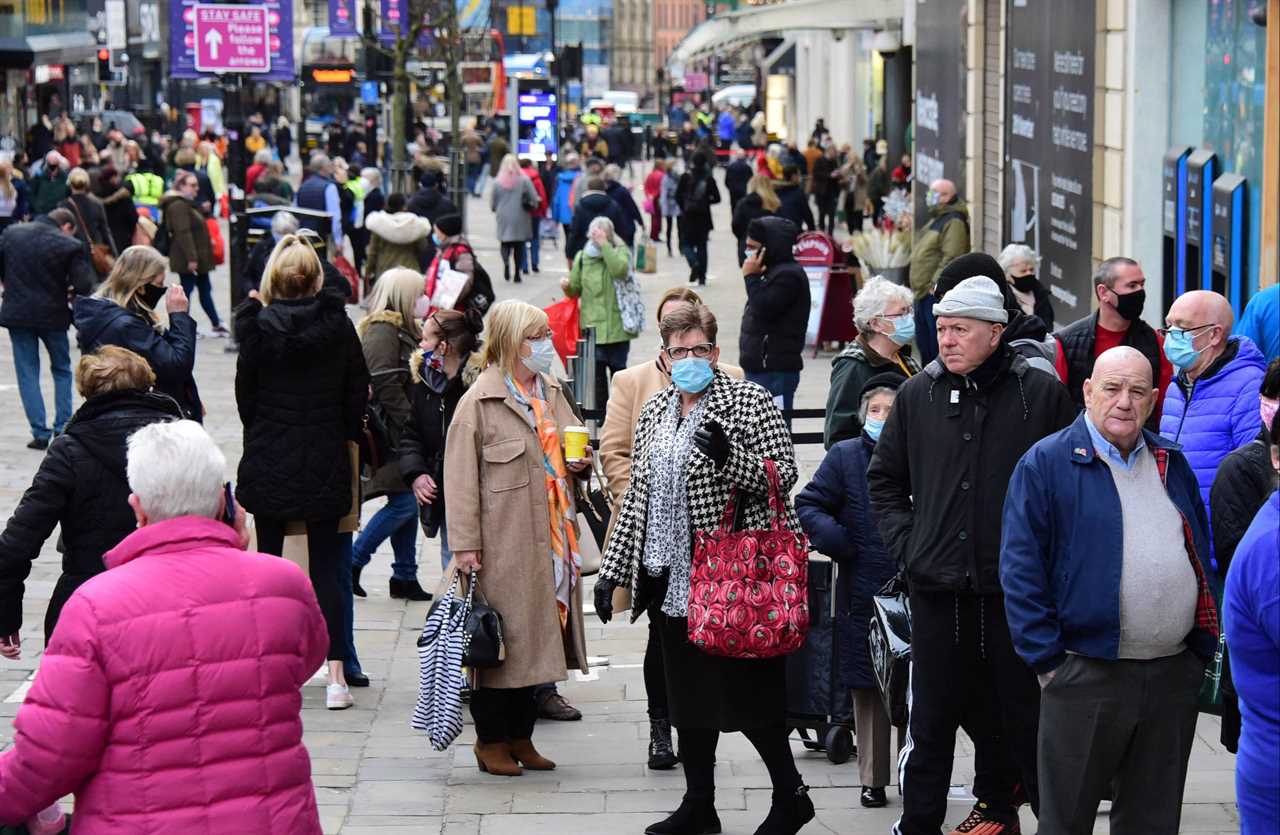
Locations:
column 1108, row 603
column 945, row 236
column 1212, row 408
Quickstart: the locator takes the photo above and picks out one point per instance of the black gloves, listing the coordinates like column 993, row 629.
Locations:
column 604, row 599
column 713, row 443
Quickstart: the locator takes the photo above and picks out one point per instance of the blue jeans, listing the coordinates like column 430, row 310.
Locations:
column 351, row 664
column 535, row 243
column 397, row 520
column 200, row 281
column 778, row 383
column 26, row 361
column 696, row 256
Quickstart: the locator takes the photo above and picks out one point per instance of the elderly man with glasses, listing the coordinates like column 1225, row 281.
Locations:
column 1212, row 408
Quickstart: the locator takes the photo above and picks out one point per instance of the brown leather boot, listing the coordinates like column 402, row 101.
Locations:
column 523, row 750
column 495, row 758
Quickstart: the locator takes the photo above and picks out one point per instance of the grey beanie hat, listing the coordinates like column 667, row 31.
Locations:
column 974, row 298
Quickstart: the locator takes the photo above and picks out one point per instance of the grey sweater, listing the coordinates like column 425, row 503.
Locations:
column 1157, row 583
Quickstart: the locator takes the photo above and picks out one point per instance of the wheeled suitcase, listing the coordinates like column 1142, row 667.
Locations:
column 815, row 700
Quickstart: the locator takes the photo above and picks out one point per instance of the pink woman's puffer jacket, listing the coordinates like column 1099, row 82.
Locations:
column 168, row 699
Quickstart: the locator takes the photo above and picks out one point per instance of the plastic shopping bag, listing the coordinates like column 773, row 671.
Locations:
column 562, row 317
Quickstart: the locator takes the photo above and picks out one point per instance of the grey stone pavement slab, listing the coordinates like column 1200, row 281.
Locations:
column 376, row 776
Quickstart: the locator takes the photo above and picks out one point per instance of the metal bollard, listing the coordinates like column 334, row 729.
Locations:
column 586, row 367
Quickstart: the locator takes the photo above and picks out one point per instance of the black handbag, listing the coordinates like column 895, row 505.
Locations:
column 482, row 643
column 375, row 439
column 889, row 641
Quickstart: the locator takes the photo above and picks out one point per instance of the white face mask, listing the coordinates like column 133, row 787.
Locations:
column 543, row 357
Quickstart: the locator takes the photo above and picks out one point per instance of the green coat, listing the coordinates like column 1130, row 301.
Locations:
column 850, row 370
column 944, row 237
column 592, row 280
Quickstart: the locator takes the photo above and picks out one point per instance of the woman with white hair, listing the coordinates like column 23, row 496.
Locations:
column 509, row 507
column 882, row 312
column 389, row 334
column 596, row 270
column 261, row 160
column 170, row 694
column 1020, row 264
column 512, row 198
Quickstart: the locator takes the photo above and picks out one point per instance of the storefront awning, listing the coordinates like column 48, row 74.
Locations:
column 755, row 22
column 61, row 48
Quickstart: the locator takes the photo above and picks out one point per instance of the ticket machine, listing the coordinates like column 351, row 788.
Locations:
column 1202, row 169
column 1174, row 223
column 1227, row 240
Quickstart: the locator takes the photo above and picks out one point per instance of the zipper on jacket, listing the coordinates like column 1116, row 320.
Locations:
column 764, row 352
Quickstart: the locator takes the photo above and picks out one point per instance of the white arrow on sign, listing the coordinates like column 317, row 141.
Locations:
column 213, row 38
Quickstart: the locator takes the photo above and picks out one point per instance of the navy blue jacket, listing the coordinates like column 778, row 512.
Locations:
column 1060, row 557
column 630, row 212
column 835, row 512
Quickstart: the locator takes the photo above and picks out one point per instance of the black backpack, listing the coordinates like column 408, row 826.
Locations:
column 481, row 296
column 699, row 199
column 161, row 241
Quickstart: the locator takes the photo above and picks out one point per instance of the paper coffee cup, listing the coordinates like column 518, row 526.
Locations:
column 576, row 440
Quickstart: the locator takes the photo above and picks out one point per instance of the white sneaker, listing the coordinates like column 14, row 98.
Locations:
column 337, row 697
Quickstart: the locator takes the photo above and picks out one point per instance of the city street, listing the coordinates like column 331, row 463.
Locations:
column 373, row 774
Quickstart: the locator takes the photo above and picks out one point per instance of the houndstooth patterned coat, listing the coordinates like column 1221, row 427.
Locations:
column 756, row 431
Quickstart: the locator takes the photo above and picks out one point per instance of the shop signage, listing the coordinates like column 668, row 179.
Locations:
column 232, row 39
column 940, row 97
column 182, row 40
column 1048, row 191
column 695, row 82
column 728, row 74
column 332, row 75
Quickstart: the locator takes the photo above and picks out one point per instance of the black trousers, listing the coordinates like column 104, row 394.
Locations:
column 655, row 674
column 322, row 557
column 698, row 756
column 827, row 213
column 965, row 673
column 515, row 251
column 503, row 715
column 1125, row 725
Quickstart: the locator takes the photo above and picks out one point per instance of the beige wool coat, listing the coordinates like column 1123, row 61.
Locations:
column 496, row 503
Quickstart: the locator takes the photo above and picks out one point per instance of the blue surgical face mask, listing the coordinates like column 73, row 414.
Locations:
column 1178, row 348
column 873, row 427
column 543, row 357
column 436, row 239
column 592, row 249
column 932, row 199
column 904, row 328
column 692, row 374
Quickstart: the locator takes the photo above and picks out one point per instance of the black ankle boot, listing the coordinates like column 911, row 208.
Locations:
column 696, row 816
column 788, row 814
column 356, row 588
column 661, row 756
column 408, row 590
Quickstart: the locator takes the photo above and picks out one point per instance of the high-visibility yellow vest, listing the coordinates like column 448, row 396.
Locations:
column 147, row 188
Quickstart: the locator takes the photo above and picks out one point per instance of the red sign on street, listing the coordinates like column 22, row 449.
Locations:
column 232, row 39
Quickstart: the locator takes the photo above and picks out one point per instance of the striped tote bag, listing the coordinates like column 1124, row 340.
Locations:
column 440, row 680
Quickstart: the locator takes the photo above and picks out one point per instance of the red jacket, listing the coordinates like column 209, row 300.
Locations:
column 653, row 189
column 543, row 205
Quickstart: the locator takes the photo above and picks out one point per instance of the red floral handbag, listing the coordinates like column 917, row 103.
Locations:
column 749, row 590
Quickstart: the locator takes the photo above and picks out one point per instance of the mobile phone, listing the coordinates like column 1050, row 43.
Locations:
column 229, row 505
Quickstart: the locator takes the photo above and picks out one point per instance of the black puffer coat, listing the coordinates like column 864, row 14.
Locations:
column 81, row 485
column 777, row 312
column 39, row 264
column 171, row 355
column 421, row 448
column 301, row 388
column 1241, row 486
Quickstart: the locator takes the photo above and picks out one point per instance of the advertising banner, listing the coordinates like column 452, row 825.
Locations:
column 182, row 40
column 940, row 97
column 1048, row 192
column 342, row 18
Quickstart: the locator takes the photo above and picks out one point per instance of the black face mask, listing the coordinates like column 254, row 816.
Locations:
column 1025, row 283
column 151, row 294
column 1129, row 305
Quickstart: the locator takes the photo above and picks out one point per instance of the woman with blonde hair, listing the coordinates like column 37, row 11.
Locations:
column 301, row 388
column 81, row 483
column 125, row 312
column 512, row 198
column 91, row 217
column 389, row 334
column 511, row 517
column 761, row 201
column 14, row 206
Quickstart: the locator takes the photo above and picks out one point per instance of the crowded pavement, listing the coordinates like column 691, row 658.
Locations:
column 373, row 775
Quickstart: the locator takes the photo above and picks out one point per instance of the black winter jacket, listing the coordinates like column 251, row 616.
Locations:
column 737, row 175
column 94, row 229
column 172, row 354
column 301, row 388
column 122, row 217
column 630, row 212
column 943, row 463
column 795, row 206
column 777, row 311
column 38, row 265
column 695, row 224
column 748, row 209
column 1078, row 340
column 81, row 485
column 591, row 205
column 1240, row 487
column 421, row 448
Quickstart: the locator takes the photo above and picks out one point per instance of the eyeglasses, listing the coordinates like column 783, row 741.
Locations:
column 679, row 352
column 1166, row 332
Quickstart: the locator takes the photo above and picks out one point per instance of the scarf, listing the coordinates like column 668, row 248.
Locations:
column 566, row 559
column 667, row 542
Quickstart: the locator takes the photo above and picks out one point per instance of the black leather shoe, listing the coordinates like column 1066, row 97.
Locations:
column 661, row 757
column 357, row 680
column 555, row 707
column 694, row 817
column 408, row 590
column 788, row 814
column 356, row 588
column 38, row 443
column 873, row 798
